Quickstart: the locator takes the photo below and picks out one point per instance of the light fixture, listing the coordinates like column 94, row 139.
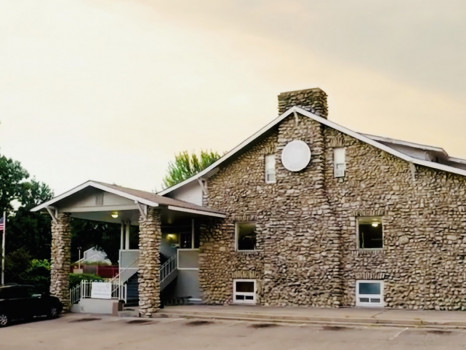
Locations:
column 375, row 224
column 114, row 214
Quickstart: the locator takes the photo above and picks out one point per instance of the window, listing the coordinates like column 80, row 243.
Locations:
column 339, row 162
column 244, row 291
column 270, row 168
column 370, row 235
column 369, row 293
column 246, row 236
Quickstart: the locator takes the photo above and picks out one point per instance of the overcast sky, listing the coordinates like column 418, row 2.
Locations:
column 110, row 90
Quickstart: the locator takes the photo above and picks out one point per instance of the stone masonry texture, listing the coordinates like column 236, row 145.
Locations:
column 150, row 236
column 313, row 100
column 60, row 266
column 307, row 252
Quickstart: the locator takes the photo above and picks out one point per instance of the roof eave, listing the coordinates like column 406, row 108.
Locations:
column 95, row 184
column 231, row 153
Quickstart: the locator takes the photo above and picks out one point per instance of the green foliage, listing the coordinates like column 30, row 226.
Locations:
column 76, row 278
column 96, row 263
column 12, row 176
column 27, row 230
column 37, row 274
column 27, row 234
column 187, row 165
column 16, row 263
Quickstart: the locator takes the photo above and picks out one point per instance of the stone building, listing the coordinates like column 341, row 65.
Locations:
column 307, row 212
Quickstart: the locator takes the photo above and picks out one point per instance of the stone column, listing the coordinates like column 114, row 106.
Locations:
column 60, row 267
column 150, row 235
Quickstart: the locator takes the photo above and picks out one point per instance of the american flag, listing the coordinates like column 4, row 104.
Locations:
column 2, row 225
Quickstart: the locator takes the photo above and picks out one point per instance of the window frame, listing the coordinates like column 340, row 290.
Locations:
column 340, row 166
column 368, row 220
column 237, row 224
column 252, row 301
column 380, row 296
column 270, row 160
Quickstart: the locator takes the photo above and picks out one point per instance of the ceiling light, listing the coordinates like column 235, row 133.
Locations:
column 114, row 214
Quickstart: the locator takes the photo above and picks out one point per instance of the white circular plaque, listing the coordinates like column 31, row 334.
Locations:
column 296, row 155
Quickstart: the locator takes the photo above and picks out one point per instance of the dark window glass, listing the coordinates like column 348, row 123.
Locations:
column 370, row 235
column 245, row 287
column 186, row 240
column 246, row 233
column 369, row 288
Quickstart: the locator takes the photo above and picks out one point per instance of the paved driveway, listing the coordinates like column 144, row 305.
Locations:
column 89, row 332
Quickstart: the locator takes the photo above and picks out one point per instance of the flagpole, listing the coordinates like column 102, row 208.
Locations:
column 3, row 248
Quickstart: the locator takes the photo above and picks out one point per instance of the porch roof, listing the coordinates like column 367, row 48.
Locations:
column 77, row 200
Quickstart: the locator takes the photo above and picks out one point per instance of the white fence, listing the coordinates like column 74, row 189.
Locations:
column 84, row 290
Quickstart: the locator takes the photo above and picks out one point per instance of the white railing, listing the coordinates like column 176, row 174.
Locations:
column 75, row 294
column 129, row 264
column 84, row 290
column 168, row 271
column 129, row 261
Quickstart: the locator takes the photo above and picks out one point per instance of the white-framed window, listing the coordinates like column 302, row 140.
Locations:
column 370, row 232
column 369, row 293
column 270, row 168
column 245, row 236
column 244, row 291
column 339, row 162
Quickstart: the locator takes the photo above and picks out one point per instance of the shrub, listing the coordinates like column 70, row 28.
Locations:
column 76, row 278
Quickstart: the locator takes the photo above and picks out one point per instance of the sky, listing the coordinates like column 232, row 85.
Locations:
column 111, row 90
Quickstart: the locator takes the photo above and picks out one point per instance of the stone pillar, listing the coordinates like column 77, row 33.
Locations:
column 60, row 267
column 150, row 236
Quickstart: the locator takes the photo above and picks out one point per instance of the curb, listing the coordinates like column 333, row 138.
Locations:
column 290, row 319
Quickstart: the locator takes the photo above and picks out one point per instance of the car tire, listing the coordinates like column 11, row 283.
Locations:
column 4, row 319
column 53, row 312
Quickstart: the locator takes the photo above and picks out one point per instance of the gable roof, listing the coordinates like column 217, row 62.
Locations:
column 143, row 197
column 369, row 139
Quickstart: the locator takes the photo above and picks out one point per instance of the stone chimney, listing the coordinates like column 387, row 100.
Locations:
column 313, row 100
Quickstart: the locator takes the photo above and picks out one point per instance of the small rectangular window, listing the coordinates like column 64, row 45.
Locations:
column 370, row 233
column 369, row 293
column 244, row 291
column 339, row 162
column 246, row 236
column 270, row 168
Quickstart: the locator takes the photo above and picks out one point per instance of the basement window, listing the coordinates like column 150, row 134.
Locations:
column 245, row 236
column 339, row 162
column 370, row 233
column 244, row 291
column 369, row 293
column 270, row 169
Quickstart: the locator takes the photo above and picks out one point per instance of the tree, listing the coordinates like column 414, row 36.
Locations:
column 12, row 177
column 28, row 234
column 187, row 165
column 28, row 230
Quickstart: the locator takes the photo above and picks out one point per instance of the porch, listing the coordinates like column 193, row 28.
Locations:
column 167, row 242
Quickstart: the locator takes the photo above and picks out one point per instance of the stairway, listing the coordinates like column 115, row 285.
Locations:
column 132, row 291
column 168, row 274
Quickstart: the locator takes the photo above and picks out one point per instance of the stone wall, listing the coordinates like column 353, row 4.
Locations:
column 60, row 260
column 150, row 236
column 306, row 225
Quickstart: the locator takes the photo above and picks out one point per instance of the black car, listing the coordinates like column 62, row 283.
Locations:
column 21, row 302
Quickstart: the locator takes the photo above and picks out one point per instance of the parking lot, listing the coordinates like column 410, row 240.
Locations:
column 80, row 331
